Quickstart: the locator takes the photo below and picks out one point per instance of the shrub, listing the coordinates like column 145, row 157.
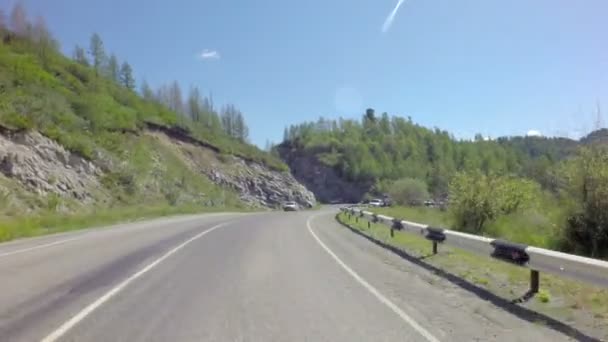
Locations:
column 476, row 198
column 587, row 185
column 409, row 191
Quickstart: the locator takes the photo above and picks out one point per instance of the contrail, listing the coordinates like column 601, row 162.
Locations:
column 389, row 20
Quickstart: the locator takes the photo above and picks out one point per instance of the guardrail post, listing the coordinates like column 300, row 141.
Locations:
column 434, row 247
column 534, row 281
column 392, row 232
column 369, row 225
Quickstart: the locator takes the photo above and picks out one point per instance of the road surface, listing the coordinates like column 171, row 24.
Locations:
column 295, row 276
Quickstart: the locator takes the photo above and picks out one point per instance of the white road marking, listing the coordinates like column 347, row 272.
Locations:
column 405, row 317
column 65, row 327
column 60, row 242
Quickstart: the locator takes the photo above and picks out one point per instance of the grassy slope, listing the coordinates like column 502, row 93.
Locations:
column 569, row 301
column 101, row 121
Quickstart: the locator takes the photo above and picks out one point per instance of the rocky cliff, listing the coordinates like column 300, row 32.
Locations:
column 157, row 165
column 256, row 184
column 326, row 184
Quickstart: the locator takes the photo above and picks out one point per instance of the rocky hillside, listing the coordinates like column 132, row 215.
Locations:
column 37, row 173
column 74, row 140
column 323, row 180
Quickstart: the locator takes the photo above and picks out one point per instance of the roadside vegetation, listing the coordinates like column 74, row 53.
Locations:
column 576, row 303
column 548, row 192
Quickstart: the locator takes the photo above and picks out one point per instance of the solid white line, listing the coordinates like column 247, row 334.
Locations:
column 65, row 327
column 373, row 290
column 60, row 242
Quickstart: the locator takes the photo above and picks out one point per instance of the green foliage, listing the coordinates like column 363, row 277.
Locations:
column 587, row 185
column 67, row 101
column 409, row 191
column 477, row 199
column 543, row 296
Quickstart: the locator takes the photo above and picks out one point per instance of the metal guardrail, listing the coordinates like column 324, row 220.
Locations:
column 576, row 267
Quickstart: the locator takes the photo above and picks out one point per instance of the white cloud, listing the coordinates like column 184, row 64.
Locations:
column 209, row 54
column 391, row 17
column 534, row 133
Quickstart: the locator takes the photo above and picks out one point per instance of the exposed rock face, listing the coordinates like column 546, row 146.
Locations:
column 44, row 166
column 321, row 179
column 260, row 186
column 256, row 184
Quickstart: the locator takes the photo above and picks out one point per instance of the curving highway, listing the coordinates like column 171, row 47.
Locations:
column 276, row 276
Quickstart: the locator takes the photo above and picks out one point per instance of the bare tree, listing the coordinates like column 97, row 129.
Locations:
column 19, row 23
column 146, row 91
column 599, row 120
column 113, row 69
column 3, row 24
column 97, row 52
column 176, row 103
column 80, row 55
column 195, row 106
column 44, row 40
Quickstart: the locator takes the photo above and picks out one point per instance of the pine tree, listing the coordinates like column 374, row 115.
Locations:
column 126, row 76
column 114, row 70
column 97, row 52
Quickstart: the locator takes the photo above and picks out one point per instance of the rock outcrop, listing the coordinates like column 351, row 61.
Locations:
column 43, row 166
column 326, row 184
column 259, row 186
column 256, row 184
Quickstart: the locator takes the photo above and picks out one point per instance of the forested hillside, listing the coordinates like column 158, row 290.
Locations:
column 381, row 148
column 545, row 191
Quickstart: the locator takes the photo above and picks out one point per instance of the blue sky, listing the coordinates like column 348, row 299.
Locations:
column 489, row 66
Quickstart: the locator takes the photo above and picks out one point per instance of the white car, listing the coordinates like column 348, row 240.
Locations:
column 290, row 206
column 376, row 203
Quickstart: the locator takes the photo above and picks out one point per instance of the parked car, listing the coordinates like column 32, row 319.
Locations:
column 290, row 206
column 376, row 203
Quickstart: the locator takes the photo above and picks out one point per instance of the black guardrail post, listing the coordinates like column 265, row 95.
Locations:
column 534, row 281
column 396, row 225
column 436, row 235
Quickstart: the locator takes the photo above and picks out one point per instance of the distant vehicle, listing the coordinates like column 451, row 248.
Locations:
column 429, row 203
column 376, row 203
column 290, row 206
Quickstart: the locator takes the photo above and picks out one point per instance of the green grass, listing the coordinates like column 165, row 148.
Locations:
column 567, row 298
column 52, row 222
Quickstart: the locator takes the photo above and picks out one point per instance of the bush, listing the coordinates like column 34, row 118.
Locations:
column 477, row 199
column 409, row 191
column 587, row 185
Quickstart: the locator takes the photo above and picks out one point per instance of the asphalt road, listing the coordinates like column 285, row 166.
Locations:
column 235, row 277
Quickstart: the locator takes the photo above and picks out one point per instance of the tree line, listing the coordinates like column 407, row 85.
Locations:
column 481, row 179
column 195, row 106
